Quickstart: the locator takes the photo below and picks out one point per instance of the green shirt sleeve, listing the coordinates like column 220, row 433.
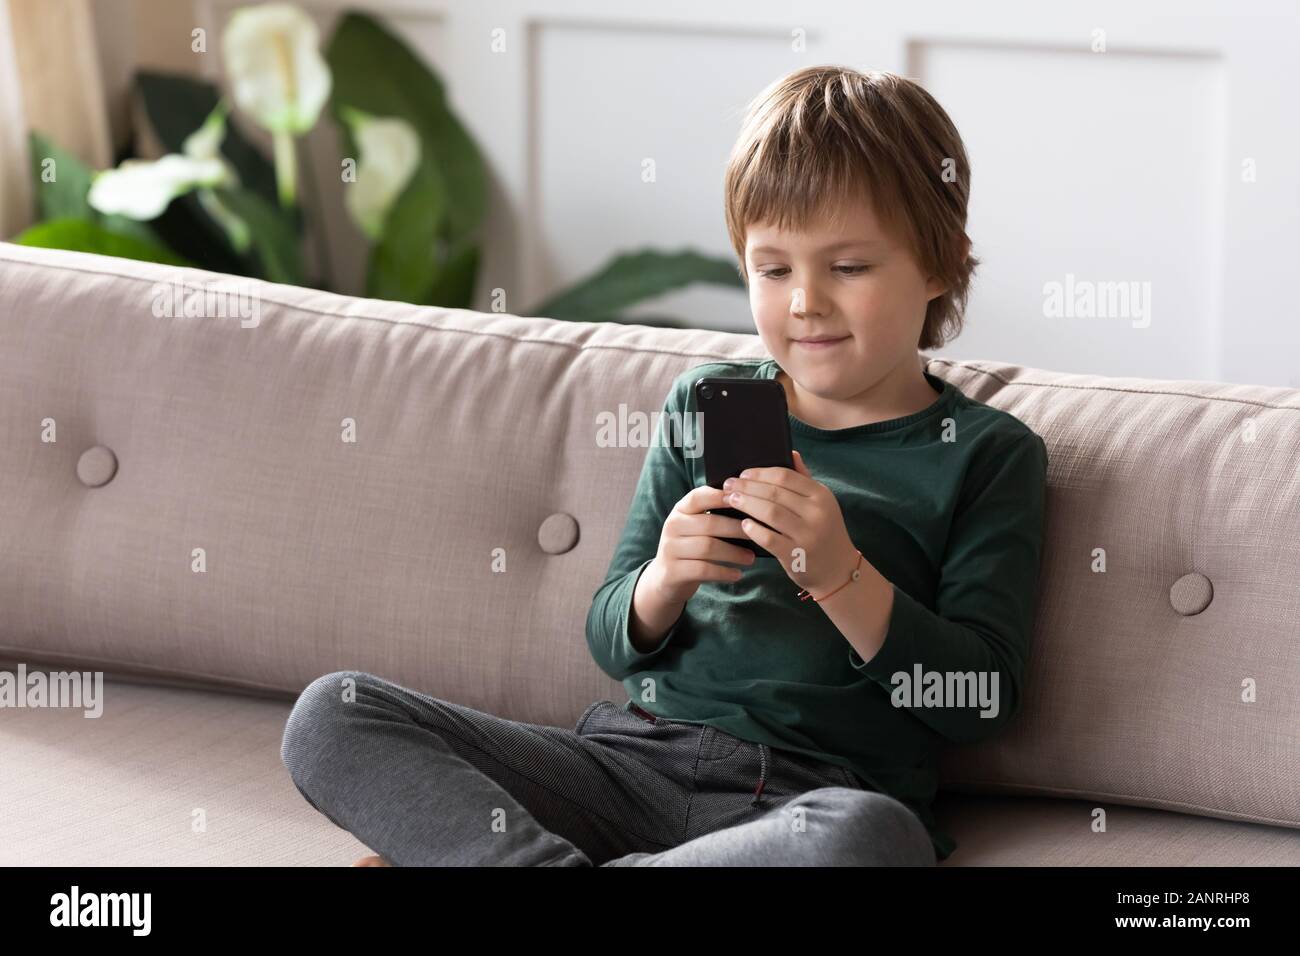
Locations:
column 985, row 599
column 665, row 479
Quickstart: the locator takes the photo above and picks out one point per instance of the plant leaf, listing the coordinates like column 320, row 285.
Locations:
column 81, row 235
column 275, row 238
column 187, row 228
column 65, row 197
column 633, row 277
column 446, row 199
column 453, row 284
column 122, row 226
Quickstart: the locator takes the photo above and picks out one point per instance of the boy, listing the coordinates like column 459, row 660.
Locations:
column 918, row 513
column 772, row 717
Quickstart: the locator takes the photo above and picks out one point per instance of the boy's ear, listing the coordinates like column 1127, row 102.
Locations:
column 933, row 287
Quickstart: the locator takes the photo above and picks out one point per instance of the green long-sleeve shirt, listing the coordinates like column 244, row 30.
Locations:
column 947, row 504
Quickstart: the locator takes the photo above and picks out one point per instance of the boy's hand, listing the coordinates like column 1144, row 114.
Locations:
column 804, row 514
column 690, row 544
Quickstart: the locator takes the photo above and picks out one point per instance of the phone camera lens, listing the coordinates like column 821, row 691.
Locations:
column 706, row 391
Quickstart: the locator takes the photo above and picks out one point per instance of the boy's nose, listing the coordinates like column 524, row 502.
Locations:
column 806, row 302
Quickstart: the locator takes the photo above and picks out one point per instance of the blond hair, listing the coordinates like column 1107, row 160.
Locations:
column 824, row 136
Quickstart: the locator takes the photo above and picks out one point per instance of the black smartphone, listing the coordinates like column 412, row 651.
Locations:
column 744, row 423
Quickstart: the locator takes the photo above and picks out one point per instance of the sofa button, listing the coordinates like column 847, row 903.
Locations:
column 558, row 533
column 96, row 466
column 1191, row 594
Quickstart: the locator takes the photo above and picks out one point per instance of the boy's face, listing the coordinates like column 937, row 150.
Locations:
column 849, row 280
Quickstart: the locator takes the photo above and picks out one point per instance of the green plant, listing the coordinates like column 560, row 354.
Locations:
column 415, row 181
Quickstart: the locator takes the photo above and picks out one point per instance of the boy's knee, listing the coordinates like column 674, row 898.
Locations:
column 315, row 717
column 865, row 828
column 883, row 831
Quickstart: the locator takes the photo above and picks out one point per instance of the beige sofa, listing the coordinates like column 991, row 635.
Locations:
column 200, row 531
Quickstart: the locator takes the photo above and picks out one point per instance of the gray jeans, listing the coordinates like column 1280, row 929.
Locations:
column 425, row 782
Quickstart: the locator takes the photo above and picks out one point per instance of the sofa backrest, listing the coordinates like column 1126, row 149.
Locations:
column 323, row 483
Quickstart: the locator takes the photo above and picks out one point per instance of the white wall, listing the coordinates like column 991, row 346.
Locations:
column 1116, row 166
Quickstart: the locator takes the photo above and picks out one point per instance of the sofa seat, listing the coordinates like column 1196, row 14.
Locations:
column 122, row 789
column 1049, row 831
column 124, row 792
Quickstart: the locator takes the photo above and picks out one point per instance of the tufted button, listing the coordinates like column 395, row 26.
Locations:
column 558, row 533
column 1191, row 594
column 96, row 466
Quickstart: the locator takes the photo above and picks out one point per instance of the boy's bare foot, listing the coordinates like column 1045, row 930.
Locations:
column 371, row 861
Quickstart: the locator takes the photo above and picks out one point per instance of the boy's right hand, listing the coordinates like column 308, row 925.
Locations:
column 691, row 542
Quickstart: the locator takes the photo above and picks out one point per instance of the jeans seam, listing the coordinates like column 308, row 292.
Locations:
column 695, row 776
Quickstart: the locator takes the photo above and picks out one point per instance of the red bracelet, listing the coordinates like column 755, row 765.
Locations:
column 805, row 595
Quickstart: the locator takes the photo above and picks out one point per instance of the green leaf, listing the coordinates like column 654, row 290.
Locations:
column 123, row 226
column 178, row 105
column 453, row 284
column 65, row 197
column 446, row 199
column 81, row 235
column 275, row 238
column 633, row 277
column 402, row 261
column 187, row 228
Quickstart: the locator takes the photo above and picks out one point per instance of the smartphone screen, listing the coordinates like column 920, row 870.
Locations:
column 744, row 423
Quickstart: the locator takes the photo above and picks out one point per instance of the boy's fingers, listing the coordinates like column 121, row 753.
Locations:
column 707, row 548
column 713, row 526
column 701, row 499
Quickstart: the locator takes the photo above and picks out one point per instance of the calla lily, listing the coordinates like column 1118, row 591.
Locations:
column 389, row 154
column 278, row 76
column 141, row 189
column 275, row 68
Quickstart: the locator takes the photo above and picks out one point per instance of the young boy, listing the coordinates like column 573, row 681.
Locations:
column 917, row 511
column 786, row 709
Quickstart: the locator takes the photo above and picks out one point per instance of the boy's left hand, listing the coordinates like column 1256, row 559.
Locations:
column 805, row 515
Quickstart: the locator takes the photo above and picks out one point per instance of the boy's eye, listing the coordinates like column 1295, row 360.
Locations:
column 779, row 273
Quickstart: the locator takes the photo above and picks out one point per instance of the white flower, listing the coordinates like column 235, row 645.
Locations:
column 389, row 150
column 141, row 189
column 274, row 66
